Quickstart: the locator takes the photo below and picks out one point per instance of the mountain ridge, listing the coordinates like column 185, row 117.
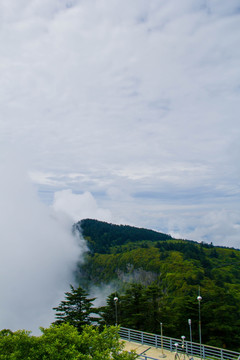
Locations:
column 176, row 269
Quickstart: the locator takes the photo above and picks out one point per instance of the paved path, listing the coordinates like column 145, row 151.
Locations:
column 150, row 351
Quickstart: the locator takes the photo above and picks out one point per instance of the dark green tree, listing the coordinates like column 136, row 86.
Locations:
column 132, row 307
column 111, row 312
column 77, row 309
column 220, row 311
column 151, row 303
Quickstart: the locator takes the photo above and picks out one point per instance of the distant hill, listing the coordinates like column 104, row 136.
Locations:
column 121, row 255
column 102, row 236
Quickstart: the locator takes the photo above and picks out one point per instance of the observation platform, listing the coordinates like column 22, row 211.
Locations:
column 155, row 347
column 148, row 351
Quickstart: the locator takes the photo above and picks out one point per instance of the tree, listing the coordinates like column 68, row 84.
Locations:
column 103, row 345
column 151, row 301
column 18, row 345
column 132, row 307
column 77, row 309
column 59, row 342
column 111, row 310
column 138, row 308
column 63, row 341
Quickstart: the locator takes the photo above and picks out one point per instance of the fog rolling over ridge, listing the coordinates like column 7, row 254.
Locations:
column 38, row 253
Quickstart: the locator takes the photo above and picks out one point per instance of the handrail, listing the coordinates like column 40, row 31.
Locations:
column 145, row 357
column 190, row 348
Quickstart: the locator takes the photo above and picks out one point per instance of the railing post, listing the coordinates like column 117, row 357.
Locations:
column 203, row 351
column 193, row 349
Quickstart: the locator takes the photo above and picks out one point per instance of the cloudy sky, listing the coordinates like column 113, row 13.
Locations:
column 126, row 111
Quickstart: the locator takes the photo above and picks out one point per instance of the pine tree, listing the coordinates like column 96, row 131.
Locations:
column 77, row 309
column 111, row 312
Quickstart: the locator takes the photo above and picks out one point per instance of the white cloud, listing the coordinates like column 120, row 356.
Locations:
column 140, row 97
column 218, row 226
column 38, row 253
column 79, row 206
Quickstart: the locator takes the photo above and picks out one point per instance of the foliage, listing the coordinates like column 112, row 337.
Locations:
column 18, row 345
column 63, row 342
column 103, row 345
column 164, row 275
column 143, row 308
column 102, row 236
column 77, row 309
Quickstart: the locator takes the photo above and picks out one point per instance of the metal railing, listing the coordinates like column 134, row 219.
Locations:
column 167, row 343
column 145, row 357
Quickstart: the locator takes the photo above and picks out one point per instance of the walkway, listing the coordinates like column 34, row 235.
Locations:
column 150, row 351
column 151, row 345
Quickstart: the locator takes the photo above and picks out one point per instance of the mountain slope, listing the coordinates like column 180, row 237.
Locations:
column 120, row 249
column 119, row 255
column 103, row 236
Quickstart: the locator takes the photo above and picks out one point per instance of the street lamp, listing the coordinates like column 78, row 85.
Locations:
column 190, row 332
column 199, row 299
column 116, row 317
column 183, row 338
column 162, row 355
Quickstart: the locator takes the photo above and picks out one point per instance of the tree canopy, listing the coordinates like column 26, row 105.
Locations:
column 77, row 309
column 63, row 341
column 102, row 235
column 143, row 308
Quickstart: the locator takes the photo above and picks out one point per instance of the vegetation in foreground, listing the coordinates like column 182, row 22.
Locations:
column 63, row 342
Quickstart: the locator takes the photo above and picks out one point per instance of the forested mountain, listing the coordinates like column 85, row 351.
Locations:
column 102, row 236
column 157, row 279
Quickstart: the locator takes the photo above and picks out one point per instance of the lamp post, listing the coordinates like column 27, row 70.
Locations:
column 162, row 355
column 199, row 299
column 116, row 317
column 190, row 333
column 183, row 346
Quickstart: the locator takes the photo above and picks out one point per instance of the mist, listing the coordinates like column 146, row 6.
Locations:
column 38, row 252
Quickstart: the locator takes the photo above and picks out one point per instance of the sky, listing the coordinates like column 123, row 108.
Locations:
column 124, row 111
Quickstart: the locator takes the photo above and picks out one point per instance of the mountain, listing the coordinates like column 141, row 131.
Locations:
column 176, row 269
column 102, row 236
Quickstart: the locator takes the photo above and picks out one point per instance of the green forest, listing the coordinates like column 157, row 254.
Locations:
column 157, row 279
